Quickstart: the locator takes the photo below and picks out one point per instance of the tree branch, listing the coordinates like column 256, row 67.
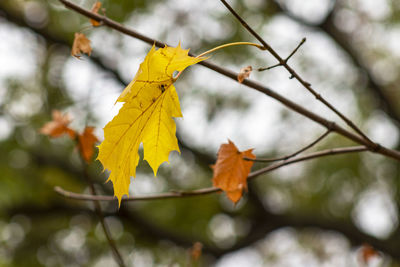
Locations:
column 274, row 222
column 386, row 102
column 252, row 84
column 167, row 195
column 287, row 58
column 259, row 231
column 327, row 26
column 17, row 19
column 294, row 74
column 211, row 190
column 293, row 154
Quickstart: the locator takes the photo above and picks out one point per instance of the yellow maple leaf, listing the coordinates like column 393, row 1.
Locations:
column 146, row 117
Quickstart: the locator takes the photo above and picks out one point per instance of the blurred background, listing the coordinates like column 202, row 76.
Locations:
column 316, row 213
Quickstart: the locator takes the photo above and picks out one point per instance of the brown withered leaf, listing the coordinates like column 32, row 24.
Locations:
column 244, row 73
column 367, row 252
column 81, row 45
column 195, row 251
column 58, row 126
column 231, row 170
column 86, row 143
column 95, row 9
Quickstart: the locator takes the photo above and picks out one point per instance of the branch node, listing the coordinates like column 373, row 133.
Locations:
column 270, row 67
column 376, row 147
column 331, row 125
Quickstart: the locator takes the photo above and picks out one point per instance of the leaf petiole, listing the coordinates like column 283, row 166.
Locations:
column 231, row 44
column 220, row 47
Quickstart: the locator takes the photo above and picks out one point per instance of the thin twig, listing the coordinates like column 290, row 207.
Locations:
column 211, row 190
column 248, row 82
column 293, row 154
column 322, row 153
column 287, row 58
column 172, row 194
column 294, row 74
column 117, row 255
column 295, row 50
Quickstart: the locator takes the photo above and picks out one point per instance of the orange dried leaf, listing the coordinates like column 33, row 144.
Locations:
column 367, row 252
column 81, row 45
column 231, row 170
column 244, row 73
column 235, row 195
column 86, row 143
column 95, row 9
column 195, row 251
column 58, row 126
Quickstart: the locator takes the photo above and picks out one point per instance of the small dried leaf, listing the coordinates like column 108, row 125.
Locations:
column 231, row 170
column 195, row 251
column 86, row 143
column 367, row 252
column 81, row 45
column 58, row 126
column 244, row 73
column 95, row 9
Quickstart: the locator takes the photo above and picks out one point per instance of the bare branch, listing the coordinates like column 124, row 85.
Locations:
column 373, row 147
column 210, row 190
column 322, row 153
column 172, row 194
column 297, row 48
column 294, row 74
column 293, row 154
column 286, row 59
